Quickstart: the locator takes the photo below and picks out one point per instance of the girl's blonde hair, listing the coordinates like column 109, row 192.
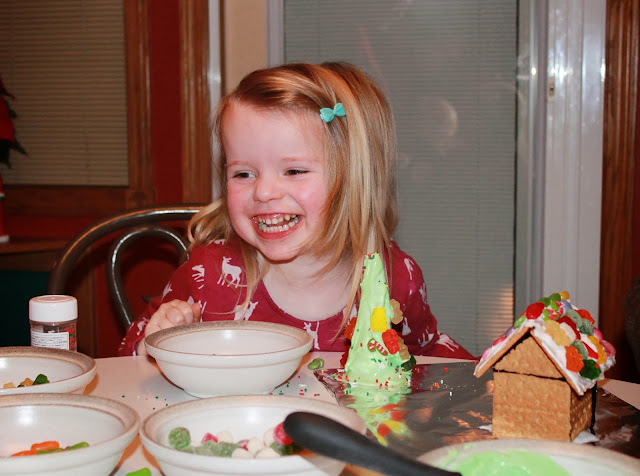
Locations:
column 360, row 153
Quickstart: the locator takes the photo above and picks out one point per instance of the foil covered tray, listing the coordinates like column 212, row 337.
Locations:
column 446, row 405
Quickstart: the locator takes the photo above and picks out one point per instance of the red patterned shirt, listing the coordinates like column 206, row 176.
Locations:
column 214, row 277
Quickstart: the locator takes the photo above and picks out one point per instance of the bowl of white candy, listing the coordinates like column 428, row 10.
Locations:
column 238, row 435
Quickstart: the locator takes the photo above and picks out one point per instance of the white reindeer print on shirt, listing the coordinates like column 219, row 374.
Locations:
column 167, row 289
column 312, row 333
column 423, row 293
column 409, row 264
column 425, row 338
column 239, row 315
column 230, row 270
column 190, row 301
column 447, row 342
column 405, row 327
column 198, row 275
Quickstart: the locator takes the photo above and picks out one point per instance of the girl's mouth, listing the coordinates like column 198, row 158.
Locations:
column 276, row 223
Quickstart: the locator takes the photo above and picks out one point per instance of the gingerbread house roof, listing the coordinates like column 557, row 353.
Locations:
column 554, row 339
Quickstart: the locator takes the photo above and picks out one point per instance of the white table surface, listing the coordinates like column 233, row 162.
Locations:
column 138, row 382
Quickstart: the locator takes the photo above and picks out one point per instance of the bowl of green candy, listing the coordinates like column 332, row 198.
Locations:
column 42, row 370
column 240, row 435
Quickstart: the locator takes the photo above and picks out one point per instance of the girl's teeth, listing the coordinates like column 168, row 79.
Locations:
column 269, row 225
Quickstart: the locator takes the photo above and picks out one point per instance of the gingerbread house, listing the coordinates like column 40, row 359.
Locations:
column 545, row 368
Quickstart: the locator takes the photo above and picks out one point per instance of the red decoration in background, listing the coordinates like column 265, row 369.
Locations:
column 8, row 142
column 3, row 233
column 8, row 139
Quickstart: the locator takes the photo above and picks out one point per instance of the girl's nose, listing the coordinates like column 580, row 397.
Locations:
column 266, row 189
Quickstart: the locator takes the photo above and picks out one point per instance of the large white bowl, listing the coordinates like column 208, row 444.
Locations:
column 107, row 425
column 576, row 459
column 67, row 371
column 245, row 417
column 228, row 357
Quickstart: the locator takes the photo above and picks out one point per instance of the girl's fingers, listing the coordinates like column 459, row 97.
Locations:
column 196, row 309
column 173, row 313
column 176, row 315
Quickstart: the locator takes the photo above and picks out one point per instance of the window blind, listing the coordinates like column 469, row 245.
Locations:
column 449, row 69
column 64, row 61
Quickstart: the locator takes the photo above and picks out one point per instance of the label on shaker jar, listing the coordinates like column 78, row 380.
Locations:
column 55, row 340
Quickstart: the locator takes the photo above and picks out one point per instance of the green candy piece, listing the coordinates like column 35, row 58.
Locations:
column 52, row 450
column 574, row 316
column 82, row 444
column 555, row 297
column 209, row 448
column 581, row 348
column 40, row 379
column 285, row 450
column 519, row 321
column 585, row 327
column 179, row 438
column 316, row 364
column 225, row 448
column 590, row 370
column 409, row 364
column 140, row 472
column 546, row 301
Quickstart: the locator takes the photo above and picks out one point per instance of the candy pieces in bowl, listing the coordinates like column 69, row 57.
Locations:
column 96, row 430
column 44, row 370
column 228, row 435
column 228, row 357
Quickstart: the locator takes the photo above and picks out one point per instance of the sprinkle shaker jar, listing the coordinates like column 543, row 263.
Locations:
column 53, row 320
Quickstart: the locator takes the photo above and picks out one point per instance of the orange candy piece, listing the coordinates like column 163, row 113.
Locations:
column 24, row 453
column 42, row 446
column 574, row 359
column 586, row 315
column 45, row 445
column 348, row 332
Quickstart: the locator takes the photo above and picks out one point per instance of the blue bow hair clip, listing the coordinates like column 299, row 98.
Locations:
column 328, row 114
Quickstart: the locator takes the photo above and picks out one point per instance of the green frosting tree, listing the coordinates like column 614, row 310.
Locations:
column 377, row 352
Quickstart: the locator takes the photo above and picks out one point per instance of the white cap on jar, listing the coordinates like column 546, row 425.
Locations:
column 53, row 308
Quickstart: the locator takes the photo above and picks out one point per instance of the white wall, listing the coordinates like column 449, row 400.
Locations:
column 573, row 165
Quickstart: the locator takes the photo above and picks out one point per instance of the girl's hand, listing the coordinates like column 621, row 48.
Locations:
column 170, row 314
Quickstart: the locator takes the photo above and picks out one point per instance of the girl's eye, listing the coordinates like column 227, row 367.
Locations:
column 242, row 175
column 296, row 172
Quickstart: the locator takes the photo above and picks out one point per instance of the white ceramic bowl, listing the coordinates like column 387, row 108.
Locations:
column 107, row 425
column 67, row 371
column 228, row 357
column 245, row 417
column 576, row 459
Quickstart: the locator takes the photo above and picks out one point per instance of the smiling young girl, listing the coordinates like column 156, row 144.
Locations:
column 306, row 157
